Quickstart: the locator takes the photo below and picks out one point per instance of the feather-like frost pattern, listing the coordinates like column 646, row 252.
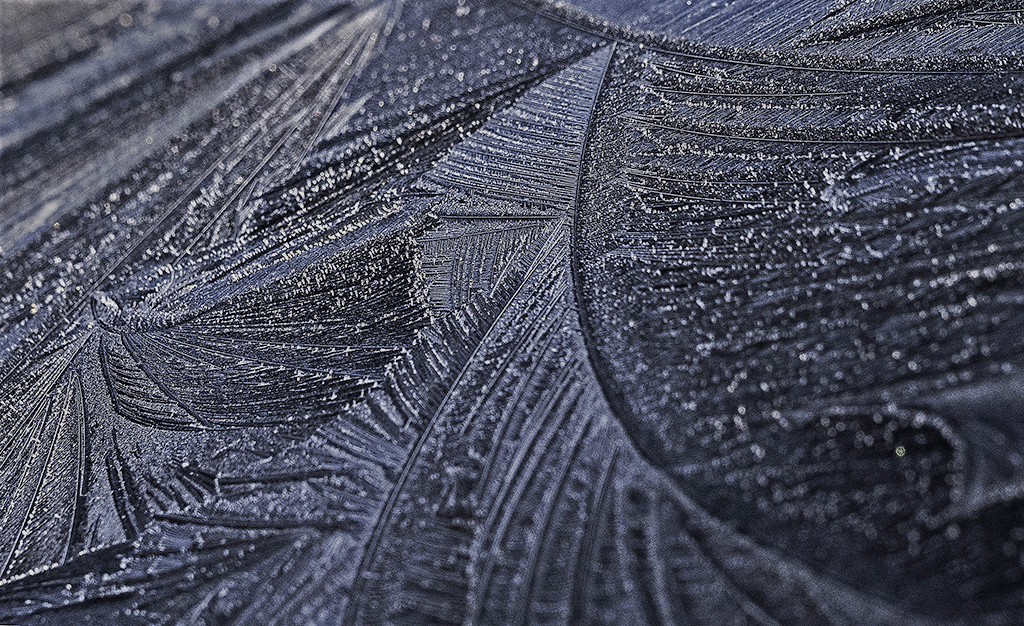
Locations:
column 511, row 313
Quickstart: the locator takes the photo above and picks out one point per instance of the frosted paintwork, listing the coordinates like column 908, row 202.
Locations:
column 492, row 313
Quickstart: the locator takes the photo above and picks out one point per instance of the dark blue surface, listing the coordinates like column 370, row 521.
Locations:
column 500, row 313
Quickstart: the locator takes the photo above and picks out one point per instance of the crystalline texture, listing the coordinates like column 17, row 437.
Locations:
column 511, row 313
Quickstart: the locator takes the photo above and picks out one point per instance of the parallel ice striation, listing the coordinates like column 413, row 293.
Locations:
column 805, row 276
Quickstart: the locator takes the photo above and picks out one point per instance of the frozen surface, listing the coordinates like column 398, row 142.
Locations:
column 512, row 313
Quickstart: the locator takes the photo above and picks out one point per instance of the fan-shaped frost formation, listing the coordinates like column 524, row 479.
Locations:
column 473, row 312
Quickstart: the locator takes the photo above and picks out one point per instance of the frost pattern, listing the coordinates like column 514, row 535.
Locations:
column 489, row 313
